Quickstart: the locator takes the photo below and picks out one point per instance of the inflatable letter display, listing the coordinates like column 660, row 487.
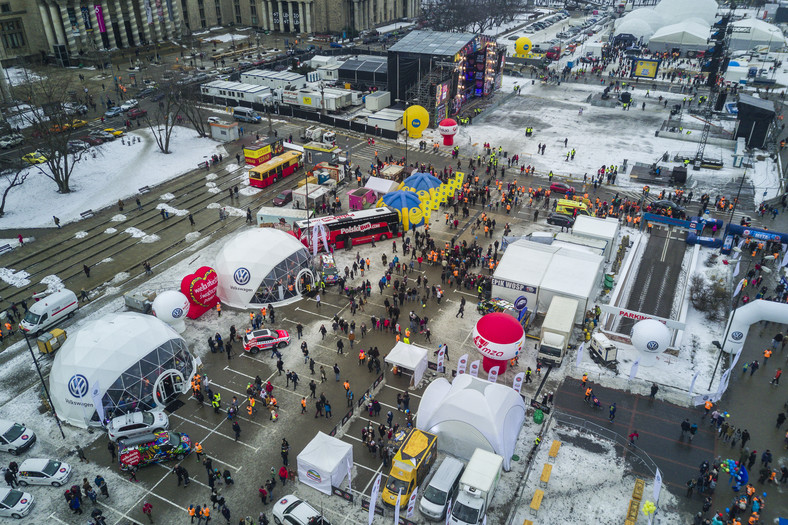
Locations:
column 416, row 121
column 200, row 288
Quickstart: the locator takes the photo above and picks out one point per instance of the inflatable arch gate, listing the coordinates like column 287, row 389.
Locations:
column 744, row 316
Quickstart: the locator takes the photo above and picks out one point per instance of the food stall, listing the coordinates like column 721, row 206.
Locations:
column 361, row 198
column 261, row 151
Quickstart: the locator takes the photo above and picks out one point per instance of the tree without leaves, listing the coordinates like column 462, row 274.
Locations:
column 193, row 111
column 475, row 16
column 162, row 117
column 12, row 177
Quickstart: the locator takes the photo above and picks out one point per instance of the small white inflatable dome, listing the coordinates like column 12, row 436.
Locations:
column 636, row 28
column 679, row 10
column 262, row 266
column 644, row 14
column 128, row 361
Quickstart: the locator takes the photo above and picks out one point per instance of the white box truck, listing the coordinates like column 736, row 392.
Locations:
column 477, row 486
column 557, row 330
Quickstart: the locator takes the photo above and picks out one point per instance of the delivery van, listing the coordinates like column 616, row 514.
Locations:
column 246, row 115
column 50, row 310
column 571, row 207
column 410, row 466
column 441, row 489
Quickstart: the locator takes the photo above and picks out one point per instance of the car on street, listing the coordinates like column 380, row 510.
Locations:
column 40, row 471
column 93, row 140
column 114, row 132
column 113, row 112
column 75, row 146
column 137, row 113
column 559, row 219
column 257, row 340
column 15, row 437
column 34, row 157
column 283, row 198
column 560, row 187
column 103, row 135
column 292, row 510
column 135, row 423
column 513, row 37
column 665, row 205
column 146, row 92
column 9, row 141
column 147, row 449
column 15, row 503
column 130, row 103
column 157, row 96
column 78, row 123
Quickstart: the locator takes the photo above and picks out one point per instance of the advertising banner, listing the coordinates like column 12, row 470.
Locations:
column 100, row 18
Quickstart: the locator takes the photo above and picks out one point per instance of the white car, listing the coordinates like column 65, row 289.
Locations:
column 136, row 423
column 9, row 141
column 291, row 510
column 130, row 103
column 15, row 438
column 40, row 471
column 15, row 503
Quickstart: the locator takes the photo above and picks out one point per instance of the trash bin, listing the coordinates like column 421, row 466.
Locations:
column 538, row 416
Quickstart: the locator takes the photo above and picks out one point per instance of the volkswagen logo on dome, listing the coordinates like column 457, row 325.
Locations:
column 177, row 313
column 242, row 276
column 737, row 336
column 78, row 385
column 652, row 345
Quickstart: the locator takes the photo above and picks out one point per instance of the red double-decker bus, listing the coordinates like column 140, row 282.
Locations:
column 350, row 229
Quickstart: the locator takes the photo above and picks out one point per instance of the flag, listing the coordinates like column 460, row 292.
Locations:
column 95, row 393
column 396, row 507
column 461, row 364
column 738, row 267
column 448, row 512
column 484, row 520
column 785, row 258
column 692, row 384
column 580, row 353
column 657, row 485
column 475, row 368
column 412, row 503
column 373, row 498
column 738, row 287
column 441, row 356
column 492, row 376
column 518, row 382
column 634, row 369
column 349, row 473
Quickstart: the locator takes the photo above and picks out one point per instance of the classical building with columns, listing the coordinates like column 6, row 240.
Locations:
column 66, row 28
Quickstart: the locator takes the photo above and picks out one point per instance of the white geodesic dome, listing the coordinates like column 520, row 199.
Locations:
column 675, row 11
column 127, row 361
column 262, row 266
column 644, row 14
column 637, row 28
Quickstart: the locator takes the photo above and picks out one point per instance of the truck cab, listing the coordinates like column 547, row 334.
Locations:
column 557, row 330
column 477, row 487
column 409, row 467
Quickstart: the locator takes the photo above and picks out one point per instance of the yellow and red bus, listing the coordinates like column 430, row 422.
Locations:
column 277, row 168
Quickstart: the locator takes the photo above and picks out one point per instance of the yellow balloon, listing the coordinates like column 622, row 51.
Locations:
column 415, row 216
column 417, row 119
column 522, row 46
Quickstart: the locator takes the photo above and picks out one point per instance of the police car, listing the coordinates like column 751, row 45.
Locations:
column 257, row 340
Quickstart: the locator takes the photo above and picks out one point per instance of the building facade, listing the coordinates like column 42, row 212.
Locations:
column 72, row 27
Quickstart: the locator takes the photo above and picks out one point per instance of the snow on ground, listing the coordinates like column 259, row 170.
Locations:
column 14, row 278
column 110, row 230
column 118, row 218
column 53, row 282
column 228, row 37
column 167, row 197
column 141, row 235
column 81, row 235
column 394, row 27
column 172, row 211
column 117, row 172
column 500, row 29
column 19, row 75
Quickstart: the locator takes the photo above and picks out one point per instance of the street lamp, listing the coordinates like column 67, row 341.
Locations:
column 43, row 384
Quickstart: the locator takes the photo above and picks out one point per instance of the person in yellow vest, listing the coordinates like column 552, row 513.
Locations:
column 198, row 450
column 250, row 407
column 251, row 318
column 406, row 341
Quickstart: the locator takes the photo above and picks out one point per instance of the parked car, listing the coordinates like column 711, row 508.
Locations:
column 146, row 449
column 136, row 423
column 75, row 146
column 666, row 204
column 560, row 187
column 15, row 503
column 292, row 510
column 137, row 113
column 92, row 140
column 113, row 112
column 283, row 198
column 257, row 340
column 130, row 103
column 513, row 37
column 40, row 471
column 75, row 109
column 559, row 219
column 114, row 132
column 34, row 157
column 158, row 96
column 9, row 141
column 101, row 134
column 15, row 437
column 146, row 92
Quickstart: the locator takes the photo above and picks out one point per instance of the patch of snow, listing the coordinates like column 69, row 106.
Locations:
column 229, row 37
column 118, row 218
column 249, row 191
column 14, row 278
column 17, row 76
column 53, row 282
column 110, row 230
column 172, row 211
column 120, row 277
column 106, row 260
column 232, row 166
column 235, row 212
column 167, row 197
column 81, row 235
column 211, row 176
column 141, row 235
column 192, row 236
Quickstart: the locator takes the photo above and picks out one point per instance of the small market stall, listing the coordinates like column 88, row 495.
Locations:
column 361, row 198
column 324, row 462
column 409, row 357
column 261, row 151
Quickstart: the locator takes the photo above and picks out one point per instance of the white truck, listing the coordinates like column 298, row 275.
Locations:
column 318, row 134
column 477, row 486
column 557, row 330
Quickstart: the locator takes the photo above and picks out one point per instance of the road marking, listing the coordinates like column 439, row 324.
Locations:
column 314, row 313
column 215, row 431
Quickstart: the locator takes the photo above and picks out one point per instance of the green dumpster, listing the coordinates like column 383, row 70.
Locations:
column 538, row 416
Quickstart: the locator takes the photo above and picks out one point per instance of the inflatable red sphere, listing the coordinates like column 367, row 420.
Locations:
column 448, row 128
column 498, row 337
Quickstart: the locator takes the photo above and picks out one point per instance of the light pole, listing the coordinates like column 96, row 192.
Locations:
column 43, row 384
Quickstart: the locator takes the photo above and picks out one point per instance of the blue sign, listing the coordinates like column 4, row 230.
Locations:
column 177, row 313
column 242, row 276
column 415, row 123
column 78, row 385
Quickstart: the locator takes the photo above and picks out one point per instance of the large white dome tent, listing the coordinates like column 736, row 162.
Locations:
column 684, row 36
column 261, row 266
column 129, row 361
column 644, row 14
column 751, row 32
column 675, row 11
column 640, row 29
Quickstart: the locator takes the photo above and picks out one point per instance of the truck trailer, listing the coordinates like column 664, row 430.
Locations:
column 557, row 330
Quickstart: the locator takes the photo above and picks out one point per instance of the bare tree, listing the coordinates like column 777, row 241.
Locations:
column 163, row 117
column 193, row 111
column 11, row 178
column 53, row 123
column 470, row 15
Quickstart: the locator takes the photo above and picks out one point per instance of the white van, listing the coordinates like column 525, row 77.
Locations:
column 246, row 115
column 49, row 310
column 442, row 487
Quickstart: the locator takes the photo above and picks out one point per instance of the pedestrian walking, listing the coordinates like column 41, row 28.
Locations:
column 336, row 372
column 111, row 448
column 612, row 412
column 654, row 390
column 147, row 509
column 632, row 437
column 86, row 269
column 776, row 379
column 81, row 455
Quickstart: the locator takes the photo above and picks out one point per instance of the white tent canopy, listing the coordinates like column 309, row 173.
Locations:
column 325, row 462
column 638, row 28
column 141, row 348
column 380, row 185
column 573, row 274
column 678, row 10
column 472, row 413
column 409, row 357
column 687, row 33
column 751, row 32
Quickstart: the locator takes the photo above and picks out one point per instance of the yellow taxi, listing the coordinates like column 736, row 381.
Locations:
column 77, row 123
column 34, row 158
column 113, row 131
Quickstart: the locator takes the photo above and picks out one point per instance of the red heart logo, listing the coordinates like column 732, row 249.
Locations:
column 200, row 287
